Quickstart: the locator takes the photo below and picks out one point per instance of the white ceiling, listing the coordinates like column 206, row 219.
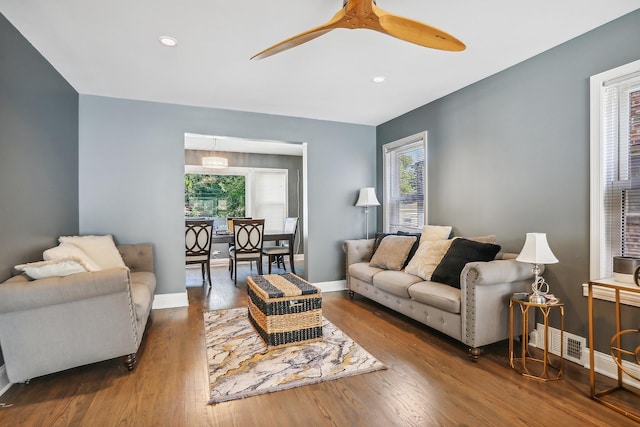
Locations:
column 111, row 48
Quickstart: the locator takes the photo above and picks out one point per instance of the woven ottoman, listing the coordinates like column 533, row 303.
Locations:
column 285, row 309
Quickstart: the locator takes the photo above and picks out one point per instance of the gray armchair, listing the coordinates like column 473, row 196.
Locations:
column 57, row 323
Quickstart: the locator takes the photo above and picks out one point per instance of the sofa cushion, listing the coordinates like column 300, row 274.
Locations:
column 363, row 271
column 52, row 268
column 427, row 258
column 66, row 250
column 435, row 232
column 395, row 282
column 143, row 285
column 437, row 295
column 101, row 249
column 392, row 252
column 378, row 240
column 459, row 254
column 414, row 248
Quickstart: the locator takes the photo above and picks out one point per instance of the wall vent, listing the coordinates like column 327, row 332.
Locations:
column 574, row 347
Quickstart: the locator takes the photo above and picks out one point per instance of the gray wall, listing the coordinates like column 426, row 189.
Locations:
column 132, row 176
column 510, row 154
column 295, row 184
column 38, row 153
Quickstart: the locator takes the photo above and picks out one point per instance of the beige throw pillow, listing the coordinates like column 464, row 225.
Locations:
column 392, row 252
column 67, row 250
column 427, row 258
column 435, row 232
column 483, row 239
column 101, row 249
column 53, row 268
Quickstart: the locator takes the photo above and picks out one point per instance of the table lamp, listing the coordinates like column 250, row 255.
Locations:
column 536, row 251
column 367, row 198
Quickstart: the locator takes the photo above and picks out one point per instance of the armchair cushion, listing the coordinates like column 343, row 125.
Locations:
column 66, row 250
column 101, row 249
column 54, row 268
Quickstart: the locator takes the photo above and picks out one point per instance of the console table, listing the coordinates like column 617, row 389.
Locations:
column 615, row 348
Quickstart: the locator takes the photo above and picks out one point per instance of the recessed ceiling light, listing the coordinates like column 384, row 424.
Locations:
column 168, row 41
column 378, row 79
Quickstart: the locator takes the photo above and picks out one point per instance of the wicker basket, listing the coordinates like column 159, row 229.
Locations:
column 285, row 309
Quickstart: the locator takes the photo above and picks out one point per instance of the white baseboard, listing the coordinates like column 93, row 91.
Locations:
column 334, row 286
column 4, row 380
column 179, row 299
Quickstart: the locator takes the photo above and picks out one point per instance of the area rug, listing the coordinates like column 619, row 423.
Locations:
column 241, row 365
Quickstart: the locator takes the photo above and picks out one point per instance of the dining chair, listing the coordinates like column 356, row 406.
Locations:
column 248, row 238
column 197, row 238
column 277, row 253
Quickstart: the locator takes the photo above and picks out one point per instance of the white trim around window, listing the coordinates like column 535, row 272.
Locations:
column 389, row 202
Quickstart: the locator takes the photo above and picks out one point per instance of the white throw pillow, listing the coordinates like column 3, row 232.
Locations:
column 66, row 250
column 427, row 258
column 435, row 232
column 101, row 249
column 53, row 268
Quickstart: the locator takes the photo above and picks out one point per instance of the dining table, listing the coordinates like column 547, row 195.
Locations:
column 269, row 236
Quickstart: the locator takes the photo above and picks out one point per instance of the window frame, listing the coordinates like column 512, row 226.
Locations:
column 386, row 200
column 600, row 254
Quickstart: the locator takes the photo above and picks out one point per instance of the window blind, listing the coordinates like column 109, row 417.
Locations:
column 620, row 151
column 405, row 194
column 270, row 198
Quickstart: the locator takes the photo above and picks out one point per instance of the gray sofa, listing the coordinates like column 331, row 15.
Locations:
column 477, row 314
column 56, row 323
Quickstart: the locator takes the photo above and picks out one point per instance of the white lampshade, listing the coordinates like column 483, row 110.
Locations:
column 215, row 162
column 367, row 197
column 536, row 250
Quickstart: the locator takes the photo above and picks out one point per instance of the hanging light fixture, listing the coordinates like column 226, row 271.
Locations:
column 215, row 161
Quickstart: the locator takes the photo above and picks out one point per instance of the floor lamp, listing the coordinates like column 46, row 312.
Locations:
column 367, row 198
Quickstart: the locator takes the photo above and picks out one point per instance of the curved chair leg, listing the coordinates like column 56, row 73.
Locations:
column 209, row 273
column 130, row 361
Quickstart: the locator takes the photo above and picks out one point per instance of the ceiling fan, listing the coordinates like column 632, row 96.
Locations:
column 366, row 15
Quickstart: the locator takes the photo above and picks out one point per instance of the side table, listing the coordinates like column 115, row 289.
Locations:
column 542, row 371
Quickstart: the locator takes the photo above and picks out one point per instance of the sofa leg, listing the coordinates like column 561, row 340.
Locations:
column 351, row 294
column 130, row 361
column 474, row 354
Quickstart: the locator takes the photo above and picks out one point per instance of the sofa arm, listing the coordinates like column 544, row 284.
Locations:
column 138, row 257
column 485, row 289
column 359, row 250
column 498, row 271
column 19, row 293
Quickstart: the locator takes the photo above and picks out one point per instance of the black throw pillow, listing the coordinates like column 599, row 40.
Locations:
column 459, row 254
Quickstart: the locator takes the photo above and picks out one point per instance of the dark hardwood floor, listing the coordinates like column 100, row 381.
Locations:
column 430, row 380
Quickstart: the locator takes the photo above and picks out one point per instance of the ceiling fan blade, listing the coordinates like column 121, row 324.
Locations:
column 298, row 39
column 415, row 32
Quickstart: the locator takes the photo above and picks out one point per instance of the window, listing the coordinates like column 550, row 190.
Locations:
column 214, row 196
column 405, row 184
column 615, row 167
column 236, row 192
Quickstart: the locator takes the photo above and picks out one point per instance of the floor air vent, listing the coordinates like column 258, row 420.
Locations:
column 573, row 348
